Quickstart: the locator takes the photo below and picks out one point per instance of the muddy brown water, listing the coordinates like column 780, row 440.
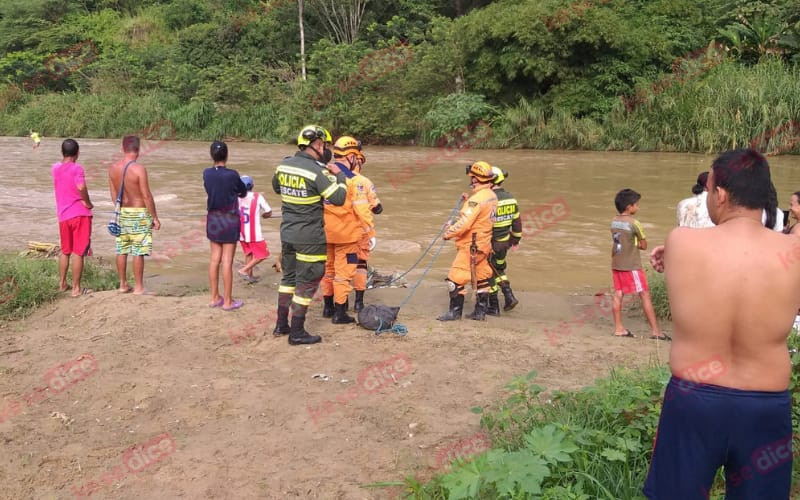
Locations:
column 417, row 186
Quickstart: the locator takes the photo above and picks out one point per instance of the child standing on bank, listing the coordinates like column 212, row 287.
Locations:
column 74, row 209
column 626, row 264
column 224, row 187
column 252, row 240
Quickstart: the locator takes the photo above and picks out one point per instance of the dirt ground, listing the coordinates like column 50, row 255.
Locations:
column 223, row 411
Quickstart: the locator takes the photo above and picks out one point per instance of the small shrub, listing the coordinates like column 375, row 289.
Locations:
column 25, row 283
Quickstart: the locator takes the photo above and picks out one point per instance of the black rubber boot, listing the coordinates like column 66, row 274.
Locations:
column 340, row 316
column 481, row 303
column 494, row 305
column 456, row 307
column 282, row 322
column 511, row 301
column 359, row 305
column 298, row 334
column 327, row 310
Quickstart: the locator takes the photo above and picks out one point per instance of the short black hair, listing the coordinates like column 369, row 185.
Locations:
column 69, row 148
column 744, row 174
column 219, row 151
column 130, row 144
column 625, row 198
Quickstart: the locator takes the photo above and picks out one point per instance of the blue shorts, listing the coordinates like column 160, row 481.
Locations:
column 703, row 427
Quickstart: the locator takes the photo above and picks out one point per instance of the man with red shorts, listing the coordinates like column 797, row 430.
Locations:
column 74, row 216
column 626, row 265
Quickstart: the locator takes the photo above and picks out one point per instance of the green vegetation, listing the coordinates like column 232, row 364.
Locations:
column 669, row 75
column 658, row 294
column 26, row 284
column 590, row 444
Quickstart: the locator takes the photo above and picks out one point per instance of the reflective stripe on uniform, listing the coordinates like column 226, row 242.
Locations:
column 285, row 169
column 507, row 201
column 301, row 300
column 331, row 189
column 285, row 289
column 516, row 235
column 499, row 262
column 300, row 201
column 302, row 257
column 503, row 223
column 504, row 238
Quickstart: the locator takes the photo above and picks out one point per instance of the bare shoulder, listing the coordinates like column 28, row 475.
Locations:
column 681, row 236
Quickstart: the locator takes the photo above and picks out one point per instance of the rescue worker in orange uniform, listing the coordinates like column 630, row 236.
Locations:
column 475, row 217
column 346, row 226
column 368, row 241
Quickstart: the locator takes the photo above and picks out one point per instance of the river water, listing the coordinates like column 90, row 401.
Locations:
column 573, row 190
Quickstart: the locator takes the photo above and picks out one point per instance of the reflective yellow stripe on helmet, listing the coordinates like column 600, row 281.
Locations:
column 302, row 257
column 300, row 201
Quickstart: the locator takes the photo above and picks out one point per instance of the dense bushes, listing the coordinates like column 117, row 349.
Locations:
column 602, row 74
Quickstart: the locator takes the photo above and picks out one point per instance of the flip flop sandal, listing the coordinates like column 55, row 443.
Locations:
column 217, row 303
column 662, row 337
column 236, row 304
column 626, row 334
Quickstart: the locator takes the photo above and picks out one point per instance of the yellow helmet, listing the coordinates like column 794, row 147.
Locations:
column 345, row 145
column 311, row 133
column 499, row 175
column 481, row 170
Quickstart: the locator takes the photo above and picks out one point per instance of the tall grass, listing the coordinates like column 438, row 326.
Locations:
column 117, row 114
column 26, row 284
column 726, row 106
column 730, row 106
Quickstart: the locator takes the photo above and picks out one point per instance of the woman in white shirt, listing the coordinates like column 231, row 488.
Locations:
column 693, row 212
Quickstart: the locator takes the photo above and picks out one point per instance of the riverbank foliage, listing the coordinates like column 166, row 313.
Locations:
column 591, row 444
column 669, row 75
column 27, row 283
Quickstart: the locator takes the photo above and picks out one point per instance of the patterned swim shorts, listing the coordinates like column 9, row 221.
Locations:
column 137, row 232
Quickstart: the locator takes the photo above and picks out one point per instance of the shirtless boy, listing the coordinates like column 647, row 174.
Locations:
column 137, row 217
column 733, row 302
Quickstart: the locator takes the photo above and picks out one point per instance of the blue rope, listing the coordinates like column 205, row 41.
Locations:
column 401, row 330
column 398, row 329
column 433, row 242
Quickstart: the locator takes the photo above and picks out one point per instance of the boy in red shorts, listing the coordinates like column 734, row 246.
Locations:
column 74, row 216
column 252, row 240
column 626, row 265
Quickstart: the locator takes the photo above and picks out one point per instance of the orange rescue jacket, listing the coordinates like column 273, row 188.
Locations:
column 349, row 222
column 476, row 216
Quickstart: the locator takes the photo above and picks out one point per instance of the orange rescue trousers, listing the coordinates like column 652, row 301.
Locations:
column 339, row 270
column 360, row 280
column 460, row 273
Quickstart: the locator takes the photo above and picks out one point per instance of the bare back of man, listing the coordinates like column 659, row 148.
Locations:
column 733, row 300
column 733, row 295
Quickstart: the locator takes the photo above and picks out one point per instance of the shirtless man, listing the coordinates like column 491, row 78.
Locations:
column 137, row 217
column 733, row 296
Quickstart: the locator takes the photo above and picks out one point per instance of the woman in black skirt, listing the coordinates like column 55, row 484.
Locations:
column 223, row 186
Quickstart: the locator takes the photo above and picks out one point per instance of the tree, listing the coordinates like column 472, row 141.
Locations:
column 342, row 18
column 302, row 39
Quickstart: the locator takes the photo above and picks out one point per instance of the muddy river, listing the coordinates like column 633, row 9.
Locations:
column 566, row 198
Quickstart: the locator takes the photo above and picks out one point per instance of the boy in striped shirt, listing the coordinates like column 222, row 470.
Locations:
column 251, row 238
